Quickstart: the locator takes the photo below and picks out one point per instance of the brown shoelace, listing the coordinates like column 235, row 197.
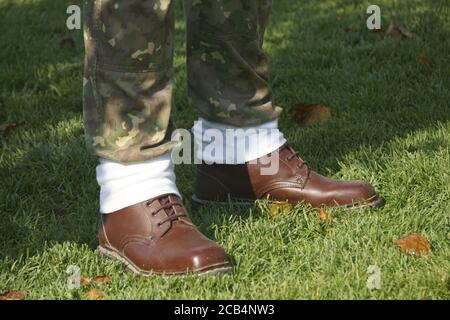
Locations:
column 303, row 163
column 168, row 206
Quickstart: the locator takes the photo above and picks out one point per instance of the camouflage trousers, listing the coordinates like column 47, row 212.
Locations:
column 128, row 79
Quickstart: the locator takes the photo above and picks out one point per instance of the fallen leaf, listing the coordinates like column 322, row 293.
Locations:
column 101, row 279
column 310, row 114
column 407, row 33
column 324, row 216
column 95, row 294
column 280, row 207
column 348, row 29
column 85, row 281
column 399, row 32
column 95, row 280
column 58, row 212
column 7, row 128
column 423, row 58
column 393, row 30
column 13, row 295
column 414, row 243
column 378, row 32
column 67, row 43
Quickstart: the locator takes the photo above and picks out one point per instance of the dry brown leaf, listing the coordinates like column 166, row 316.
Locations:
column 85, row 281
column 414, row 243
column 324, row 216
column 95, row 294
column 348, row 30
column 7, row 128
column 58, row 212
column 310, row 114
column 406, row 33
column 67, row 43
column 399, row 32
column 13, row 295
column 280, row 207
column 101, row 279
column 378, row 32
column 393, row 30
column 423, row 58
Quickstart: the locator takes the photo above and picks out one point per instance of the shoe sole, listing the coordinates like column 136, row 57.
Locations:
column 220, row 269
column 374, row 202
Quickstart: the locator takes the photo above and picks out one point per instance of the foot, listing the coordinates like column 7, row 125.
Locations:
column 157, row 236
column 294, row 182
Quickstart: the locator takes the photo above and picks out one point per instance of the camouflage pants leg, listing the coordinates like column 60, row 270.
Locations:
column 128, row 71
column 227, row 68
column 128, row 78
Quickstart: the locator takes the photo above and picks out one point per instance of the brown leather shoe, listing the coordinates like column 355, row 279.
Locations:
column 294, row 182
column 157, row 236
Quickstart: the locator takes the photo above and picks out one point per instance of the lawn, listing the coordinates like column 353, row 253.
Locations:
column 390, row 124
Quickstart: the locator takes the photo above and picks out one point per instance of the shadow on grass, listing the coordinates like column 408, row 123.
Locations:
column 376, row 89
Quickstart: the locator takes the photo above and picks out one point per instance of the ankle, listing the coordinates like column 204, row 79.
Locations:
column 123, row 185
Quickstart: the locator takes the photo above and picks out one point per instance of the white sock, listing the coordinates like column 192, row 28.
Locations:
column 232, row 148
column 123, row 185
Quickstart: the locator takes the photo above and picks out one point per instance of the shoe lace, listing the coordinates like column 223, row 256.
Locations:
column 295, row 155
column 169, row 207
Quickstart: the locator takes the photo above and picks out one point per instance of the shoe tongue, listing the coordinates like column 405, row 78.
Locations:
column 164, row 201
column 291, row 151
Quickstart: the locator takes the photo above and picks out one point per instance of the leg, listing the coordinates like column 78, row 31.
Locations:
column 127, row 102
column 227, row 68
column 228, row 82
column 128, row 78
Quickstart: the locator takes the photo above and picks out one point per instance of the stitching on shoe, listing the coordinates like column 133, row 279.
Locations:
column 104, row 232
column 135, row 239
column 278, row 185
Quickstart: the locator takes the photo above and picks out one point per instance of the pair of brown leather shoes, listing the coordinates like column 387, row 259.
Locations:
column 157, row 236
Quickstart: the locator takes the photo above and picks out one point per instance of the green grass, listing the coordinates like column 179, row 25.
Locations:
column 390, row 125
